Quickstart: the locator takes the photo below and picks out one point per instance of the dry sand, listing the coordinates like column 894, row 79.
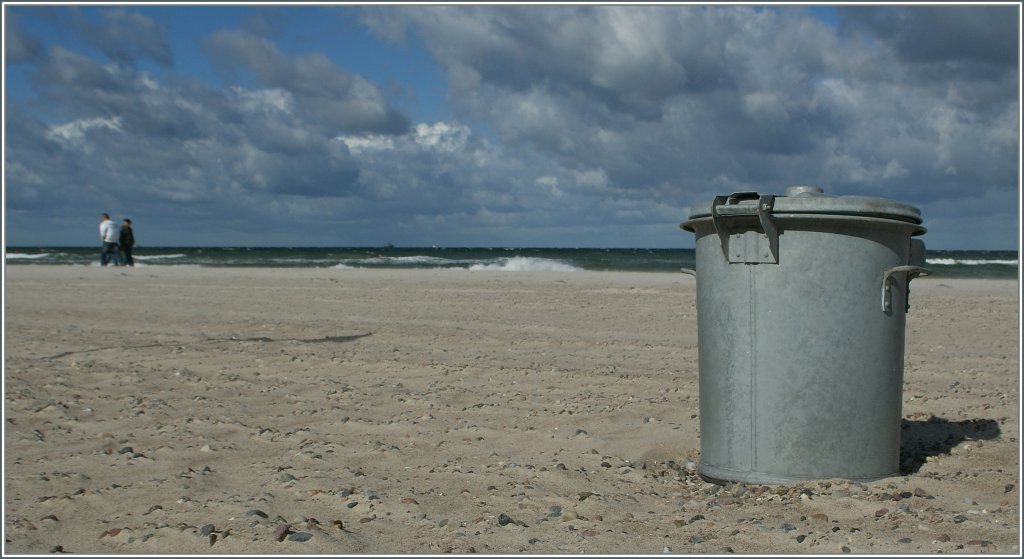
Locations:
column 265, row 411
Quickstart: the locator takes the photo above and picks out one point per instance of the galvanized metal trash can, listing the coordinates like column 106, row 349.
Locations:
column 801, row 303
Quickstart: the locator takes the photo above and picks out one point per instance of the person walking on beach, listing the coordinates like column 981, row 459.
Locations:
column 109, row 234
column 127, row 241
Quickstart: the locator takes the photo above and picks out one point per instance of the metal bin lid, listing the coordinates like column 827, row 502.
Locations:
column 813, row 200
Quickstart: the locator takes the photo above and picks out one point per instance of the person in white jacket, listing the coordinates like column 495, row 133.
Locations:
column 109, row 234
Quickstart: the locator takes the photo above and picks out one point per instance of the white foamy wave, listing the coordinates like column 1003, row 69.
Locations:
column 400, row 261
column 969, row 262
column 526, row 264
column 411, row 260
column 20, row 256
column 157, row 256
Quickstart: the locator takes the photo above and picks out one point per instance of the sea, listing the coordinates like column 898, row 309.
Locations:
column 942, row 263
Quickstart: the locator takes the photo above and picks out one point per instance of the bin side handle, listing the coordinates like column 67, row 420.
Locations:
column 912, row 272
column 689, row 271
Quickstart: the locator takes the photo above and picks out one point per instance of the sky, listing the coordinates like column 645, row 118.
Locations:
column 491, row 125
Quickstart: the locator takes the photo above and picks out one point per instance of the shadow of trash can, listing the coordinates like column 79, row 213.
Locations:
column 801, row 311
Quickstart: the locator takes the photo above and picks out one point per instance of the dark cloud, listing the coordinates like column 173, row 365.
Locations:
column 268, row 21
column 327, row 92
column 623, row 61
column 38, row 175
column 983, row 35
column 19, row 46
column 76, row 79
column 626, row 89
column 83, row 88
column 629, row 60
column 126, row 36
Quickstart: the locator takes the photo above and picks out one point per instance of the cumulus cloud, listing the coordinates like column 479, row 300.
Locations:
column 325, row 91
column 564, row 124
column 125, row 140
column 442, row 136
column 685, row 101
column 75, row 131
column 635, row 92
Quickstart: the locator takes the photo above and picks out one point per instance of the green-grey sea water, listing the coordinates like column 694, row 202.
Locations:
column 959, row 264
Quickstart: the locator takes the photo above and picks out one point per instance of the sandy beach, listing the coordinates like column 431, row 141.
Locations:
column 176, row 410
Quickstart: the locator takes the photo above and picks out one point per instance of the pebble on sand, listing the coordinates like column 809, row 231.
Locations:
column 281, row 532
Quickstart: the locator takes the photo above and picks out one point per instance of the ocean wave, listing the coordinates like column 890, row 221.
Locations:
column 403, row 261
column 970, row 262
column 158, row 256
column 21, row 256
column 412, row 260
column 526, row 264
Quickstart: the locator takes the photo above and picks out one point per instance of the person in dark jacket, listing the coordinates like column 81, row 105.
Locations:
column 127, row 241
